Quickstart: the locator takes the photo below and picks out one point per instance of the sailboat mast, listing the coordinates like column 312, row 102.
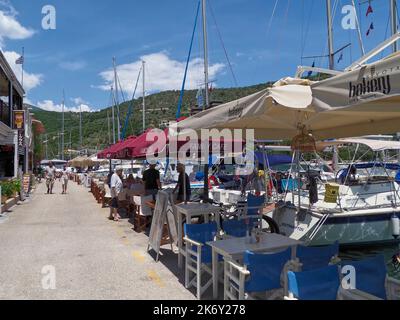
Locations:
column 144, row 96
column 62, row 128
column 108, row 127
column 204, row 13
column 330, row 34
column 113, row 114
column 116, row 98
column 80, row 127
column 393, row 21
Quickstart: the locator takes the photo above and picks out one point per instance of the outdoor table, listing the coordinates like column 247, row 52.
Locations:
column 191, row 210
column 234, row 248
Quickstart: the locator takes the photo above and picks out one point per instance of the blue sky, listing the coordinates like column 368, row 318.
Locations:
column 77, row 56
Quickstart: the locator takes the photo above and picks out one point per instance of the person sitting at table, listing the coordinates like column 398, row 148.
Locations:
column 151, row 179
column 180, row 185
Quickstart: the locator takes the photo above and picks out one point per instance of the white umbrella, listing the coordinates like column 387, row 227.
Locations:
column 360, row 102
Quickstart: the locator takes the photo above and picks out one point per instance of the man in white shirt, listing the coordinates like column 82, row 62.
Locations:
column 50, row 177
column 116, row 188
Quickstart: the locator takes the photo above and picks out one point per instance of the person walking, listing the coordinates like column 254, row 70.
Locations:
column 50, row 173
column 64, row 180
column 182, row 184
column 116, row 188
column 151, row 179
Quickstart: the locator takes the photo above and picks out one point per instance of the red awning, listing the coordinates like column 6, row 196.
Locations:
column 111, row 152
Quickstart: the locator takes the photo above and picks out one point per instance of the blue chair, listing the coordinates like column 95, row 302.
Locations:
column 371, row 280
column 309, row 258
column 261, row 273
column 318, row 284
column 235, row 228
column 198, row 254
column 254, row 206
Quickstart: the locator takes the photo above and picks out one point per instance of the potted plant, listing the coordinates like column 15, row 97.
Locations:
column 7, row 191
column 16, row 185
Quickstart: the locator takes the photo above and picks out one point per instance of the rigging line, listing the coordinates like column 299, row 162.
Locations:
column 271, row 18
column 131, row 105
column 280, row 33
column 386, row 32
column 223, row 45
column 307, row 28
column 178, row 111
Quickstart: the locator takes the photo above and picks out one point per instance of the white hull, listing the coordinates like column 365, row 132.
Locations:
column 347, row 228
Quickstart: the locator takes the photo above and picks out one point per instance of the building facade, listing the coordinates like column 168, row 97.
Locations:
column 14, row 124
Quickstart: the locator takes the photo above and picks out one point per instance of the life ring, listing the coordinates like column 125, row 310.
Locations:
column 212, row 181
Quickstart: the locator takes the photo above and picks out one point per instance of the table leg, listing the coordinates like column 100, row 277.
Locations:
column 215, row 273
column 179, row 240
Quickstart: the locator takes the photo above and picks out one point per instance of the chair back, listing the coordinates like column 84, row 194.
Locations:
column 254, row 204
column 316, row 257
column 235, row 228
column 265, row 270
column 202, row 233
column 318, row 284
column 370, row 275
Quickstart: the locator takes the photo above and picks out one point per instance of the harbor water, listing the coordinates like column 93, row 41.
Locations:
column 364, row 252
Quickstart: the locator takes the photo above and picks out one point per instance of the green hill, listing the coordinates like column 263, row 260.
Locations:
column 160, row 107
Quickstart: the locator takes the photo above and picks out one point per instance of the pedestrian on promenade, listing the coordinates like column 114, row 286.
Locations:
column 116, row 188
column 64, row 180
column 50, row 173
column 151, row 179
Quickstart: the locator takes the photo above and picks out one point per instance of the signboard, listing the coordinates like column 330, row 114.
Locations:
column 331, row 193
column 163, row 214
column 19, row 119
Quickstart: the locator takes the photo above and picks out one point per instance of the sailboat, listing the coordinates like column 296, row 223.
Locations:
column 367, row 209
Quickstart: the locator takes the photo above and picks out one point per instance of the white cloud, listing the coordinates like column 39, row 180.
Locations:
column 162, row 73
column 49, row 105
column 31, row 80
column 79, row 101
column 73, row 65
column 9, row 26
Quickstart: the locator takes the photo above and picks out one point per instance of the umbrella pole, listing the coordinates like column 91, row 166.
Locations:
column 298, row 178
column 205, row 195
column 110, row 168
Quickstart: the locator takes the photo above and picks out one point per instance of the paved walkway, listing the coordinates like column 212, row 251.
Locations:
column 93, row 258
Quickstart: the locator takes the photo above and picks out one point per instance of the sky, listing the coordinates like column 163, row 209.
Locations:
column 264, row 40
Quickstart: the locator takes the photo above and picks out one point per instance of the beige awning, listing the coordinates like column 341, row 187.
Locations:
column 361, row 102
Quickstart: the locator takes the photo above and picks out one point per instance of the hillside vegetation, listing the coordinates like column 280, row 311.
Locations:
column 160, row 107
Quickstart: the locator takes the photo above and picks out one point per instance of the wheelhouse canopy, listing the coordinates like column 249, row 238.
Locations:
column 360, row 102
column 374, row 145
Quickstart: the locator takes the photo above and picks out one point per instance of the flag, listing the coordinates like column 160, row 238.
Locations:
column 310, row 72
column 371, row 27
column 340, row 58
column 369, row 10
column 20, row 60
